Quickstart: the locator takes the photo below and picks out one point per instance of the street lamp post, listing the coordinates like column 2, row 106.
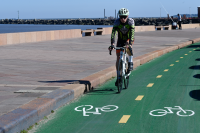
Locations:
column 18, row 14
column 160, row 13
column 190, row 14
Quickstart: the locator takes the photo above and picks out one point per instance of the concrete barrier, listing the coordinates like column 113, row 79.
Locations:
column 88, row 32
column 187, row 26
column 99, row 31
column 28, row 37
column 144, row 28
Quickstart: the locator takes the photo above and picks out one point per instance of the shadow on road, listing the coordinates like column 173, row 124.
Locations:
column 193, row 46
column 198, row 59
column 197, row 76
column 195, row 94
column 197, row 67
column 107, row 91
column 85, row 82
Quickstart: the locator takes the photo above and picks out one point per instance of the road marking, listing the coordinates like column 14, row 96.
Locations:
column 186, row 54
column 166, row 70
column 139, row 97
column 33, row 91
column 172, row 65
column 181, row 57
column 150, row 85
column 194, row 49
column 190, row 51
column 177, row 61
column 159, row 76
column 124, row 118
column 181, row 112
column 86, row 108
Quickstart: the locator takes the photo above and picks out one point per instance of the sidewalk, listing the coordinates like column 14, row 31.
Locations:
column 51, row 65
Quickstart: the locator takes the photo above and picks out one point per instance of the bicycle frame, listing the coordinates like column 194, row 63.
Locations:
column 123, row 59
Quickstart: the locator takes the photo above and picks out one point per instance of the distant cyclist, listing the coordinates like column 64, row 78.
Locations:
column 126, row 29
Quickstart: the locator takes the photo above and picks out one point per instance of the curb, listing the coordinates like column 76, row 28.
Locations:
column 32, row 112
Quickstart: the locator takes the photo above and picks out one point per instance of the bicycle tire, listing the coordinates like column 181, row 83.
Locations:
column 119, row 77
column 126, row 80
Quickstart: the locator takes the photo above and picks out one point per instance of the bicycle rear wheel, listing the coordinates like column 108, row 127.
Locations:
column 119, row 76
column 126, row 80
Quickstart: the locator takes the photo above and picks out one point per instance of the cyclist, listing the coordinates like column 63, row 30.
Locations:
column 126, row 29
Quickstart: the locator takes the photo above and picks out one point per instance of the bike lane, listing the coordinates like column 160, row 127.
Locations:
column 168, row 81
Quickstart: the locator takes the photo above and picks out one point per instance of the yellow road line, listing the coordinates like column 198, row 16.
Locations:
column 186, row 54
column 177, row 61
column 190, row 51
column 181, row 57
column 150, row 85
column 159, row 76
column 172, row 65
column 124, row 118
column 194, row 49
column 139, row 97
column 166, row 70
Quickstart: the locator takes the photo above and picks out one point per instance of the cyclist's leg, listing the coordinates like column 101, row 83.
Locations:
column 117, row 62
column 130, row 59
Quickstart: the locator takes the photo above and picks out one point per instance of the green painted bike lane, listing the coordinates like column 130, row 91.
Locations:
column 168, row 81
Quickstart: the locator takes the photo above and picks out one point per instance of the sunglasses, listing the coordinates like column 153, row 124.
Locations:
column 123, row 17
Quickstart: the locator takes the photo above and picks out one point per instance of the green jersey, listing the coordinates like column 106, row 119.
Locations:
column 125, row 31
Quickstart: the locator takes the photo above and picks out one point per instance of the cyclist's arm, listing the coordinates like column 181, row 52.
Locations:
column 114, row 31
column 132, row 36
column 132, row 32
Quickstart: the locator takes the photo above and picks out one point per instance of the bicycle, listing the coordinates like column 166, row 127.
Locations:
column 122, row 68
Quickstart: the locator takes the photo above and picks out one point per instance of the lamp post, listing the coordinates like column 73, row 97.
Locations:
column 18, row 14
column 190, row 14
column 160, row 13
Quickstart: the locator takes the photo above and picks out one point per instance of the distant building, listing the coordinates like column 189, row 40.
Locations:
column 198, row 8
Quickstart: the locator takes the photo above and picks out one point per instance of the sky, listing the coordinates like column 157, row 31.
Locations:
column 31, row 9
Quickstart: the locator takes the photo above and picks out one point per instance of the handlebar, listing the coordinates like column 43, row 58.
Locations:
column 121, row 48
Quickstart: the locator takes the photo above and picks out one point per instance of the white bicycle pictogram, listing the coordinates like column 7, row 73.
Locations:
column 86, row 108
column 181, row 112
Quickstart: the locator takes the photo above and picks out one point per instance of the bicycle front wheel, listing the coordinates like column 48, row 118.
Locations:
column 119, row 76
column 126, row 80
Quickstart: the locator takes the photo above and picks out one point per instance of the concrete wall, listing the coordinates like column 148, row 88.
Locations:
column 27, row 37
column 108, row 30
column 144, row 28
column 187, row 26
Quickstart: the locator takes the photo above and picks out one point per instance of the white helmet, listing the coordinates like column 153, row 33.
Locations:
column 123, row 12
